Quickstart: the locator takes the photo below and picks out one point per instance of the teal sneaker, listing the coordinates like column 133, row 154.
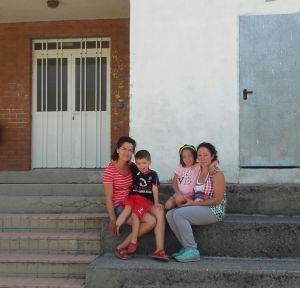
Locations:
column 174, row 255
column 189, row 255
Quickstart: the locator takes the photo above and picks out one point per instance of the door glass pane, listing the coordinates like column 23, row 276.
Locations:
column 49, row 80
column 90, row 83
column 51, row 85
column 79, row 90
column 39, row 85
column 87, row 82
column 103, row 84
column 62, row 84
column 44, row 84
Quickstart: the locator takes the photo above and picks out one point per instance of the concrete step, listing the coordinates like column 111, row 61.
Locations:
column 50, row 242
column 43, row 265
column 37, row 189
column 30, row 282
column 84, row 222
column 236, row 236
column 51, row 198
column 110, row 272
column 271, row 199
column 51, row 204
column 52, row 176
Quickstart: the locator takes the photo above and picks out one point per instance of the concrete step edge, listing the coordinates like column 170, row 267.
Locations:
column 108, row 260
column 51, row 235
column 32, row 282
column 47, row 258
column 54, row 216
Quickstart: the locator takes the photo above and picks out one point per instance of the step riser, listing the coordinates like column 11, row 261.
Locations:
column 256, row 199
column 21, row 223
column 74, row 270
column 49, row 246
column 81, row 190
column 264, row 199
column 43, row 198
column 131, row 278
column 51, row 204
column 52, row 176
column 227, row 239
column 31, row 282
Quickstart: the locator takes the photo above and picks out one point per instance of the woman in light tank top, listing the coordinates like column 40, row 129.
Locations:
column 207, row 207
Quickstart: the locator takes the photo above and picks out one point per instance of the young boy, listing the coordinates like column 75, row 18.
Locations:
column 143, row 195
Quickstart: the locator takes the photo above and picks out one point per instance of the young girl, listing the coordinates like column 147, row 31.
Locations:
column 185, row 176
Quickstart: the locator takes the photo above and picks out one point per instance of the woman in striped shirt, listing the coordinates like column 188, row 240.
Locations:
column 117, row 180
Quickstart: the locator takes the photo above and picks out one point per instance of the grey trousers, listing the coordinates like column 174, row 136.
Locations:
column 181, row 219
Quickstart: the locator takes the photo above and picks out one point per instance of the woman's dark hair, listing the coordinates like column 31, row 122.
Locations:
column 211, row 148
column 191, row 148
column 121, row 141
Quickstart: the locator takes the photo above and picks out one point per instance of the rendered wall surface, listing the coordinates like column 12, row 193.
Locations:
column 185, row 80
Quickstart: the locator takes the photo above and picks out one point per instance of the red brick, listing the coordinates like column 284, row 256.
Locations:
column 15, row 70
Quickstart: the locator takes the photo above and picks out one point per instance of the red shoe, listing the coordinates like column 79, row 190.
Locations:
column 160, row 255
column 121, row 253
column 131, row 248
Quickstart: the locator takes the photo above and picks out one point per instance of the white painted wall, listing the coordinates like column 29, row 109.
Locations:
column 184, row 79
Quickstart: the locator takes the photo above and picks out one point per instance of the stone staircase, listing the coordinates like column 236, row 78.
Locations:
column 52, row 235
column 49, row 234
column 257, row 245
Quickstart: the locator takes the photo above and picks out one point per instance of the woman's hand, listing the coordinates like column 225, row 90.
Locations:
column 188, row 202
column 112, row 228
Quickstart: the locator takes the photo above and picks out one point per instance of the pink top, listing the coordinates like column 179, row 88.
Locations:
column 121, row 183
column 187, row 177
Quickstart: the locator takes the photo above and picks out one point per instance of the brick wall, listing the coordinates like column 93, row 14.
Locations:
column 15, row 80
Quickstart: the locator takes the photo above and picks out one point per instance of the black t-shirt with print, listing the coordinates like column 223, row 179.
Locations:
column 142, row 183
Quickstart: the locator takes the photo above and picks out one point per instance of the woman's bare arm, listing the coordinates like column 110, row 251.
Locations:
column 108, row 193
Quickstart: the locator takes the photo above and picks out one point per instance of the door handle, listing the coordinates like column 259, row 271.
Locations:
column 245, row 93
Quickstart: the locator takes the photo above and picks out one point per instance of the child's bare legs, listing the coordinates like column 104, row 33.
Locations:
column 134, row 234
column 135, row 228
column 179, row 200
column 159, row 230
column 175, row 201
column 170, row 204
column 147, row 223
column 122, row 218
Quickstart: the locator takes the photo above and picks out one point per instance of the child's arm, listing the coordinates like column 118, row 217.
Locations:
column 155, row 196
column 175, row 184
column 213, row 168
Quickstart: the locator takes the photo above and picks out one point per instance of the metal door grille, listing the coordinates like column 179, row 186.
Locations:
column 71, row 81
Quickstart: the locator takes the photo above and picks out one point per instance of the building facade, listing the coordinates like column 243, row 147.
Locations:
column 173, row 72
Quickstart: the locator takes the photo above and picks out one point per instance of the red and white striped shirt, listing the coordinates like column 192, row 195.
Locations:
column 121, row 183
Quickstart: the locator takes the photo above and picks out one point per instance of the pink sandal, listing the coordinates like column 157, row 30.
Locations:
column 160, row 255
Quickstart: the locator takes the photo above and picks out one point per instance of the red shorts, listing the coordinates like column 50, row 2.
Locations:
column 139, row 204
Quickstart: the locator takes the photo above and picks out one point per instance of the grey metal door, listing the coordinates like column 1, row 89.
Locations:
column 269, row 90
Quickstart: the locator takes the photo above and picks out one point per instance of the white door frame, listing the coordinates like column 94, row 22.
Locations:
column 56, row 141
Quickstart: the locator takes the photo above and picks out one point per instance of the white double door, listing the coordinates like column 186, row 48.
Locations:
column 71, row 104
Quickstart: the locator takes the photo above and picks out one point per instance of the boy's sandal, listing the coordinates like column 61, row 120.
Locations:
column 131, row 248
column 160, row 255
column 121, row 253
